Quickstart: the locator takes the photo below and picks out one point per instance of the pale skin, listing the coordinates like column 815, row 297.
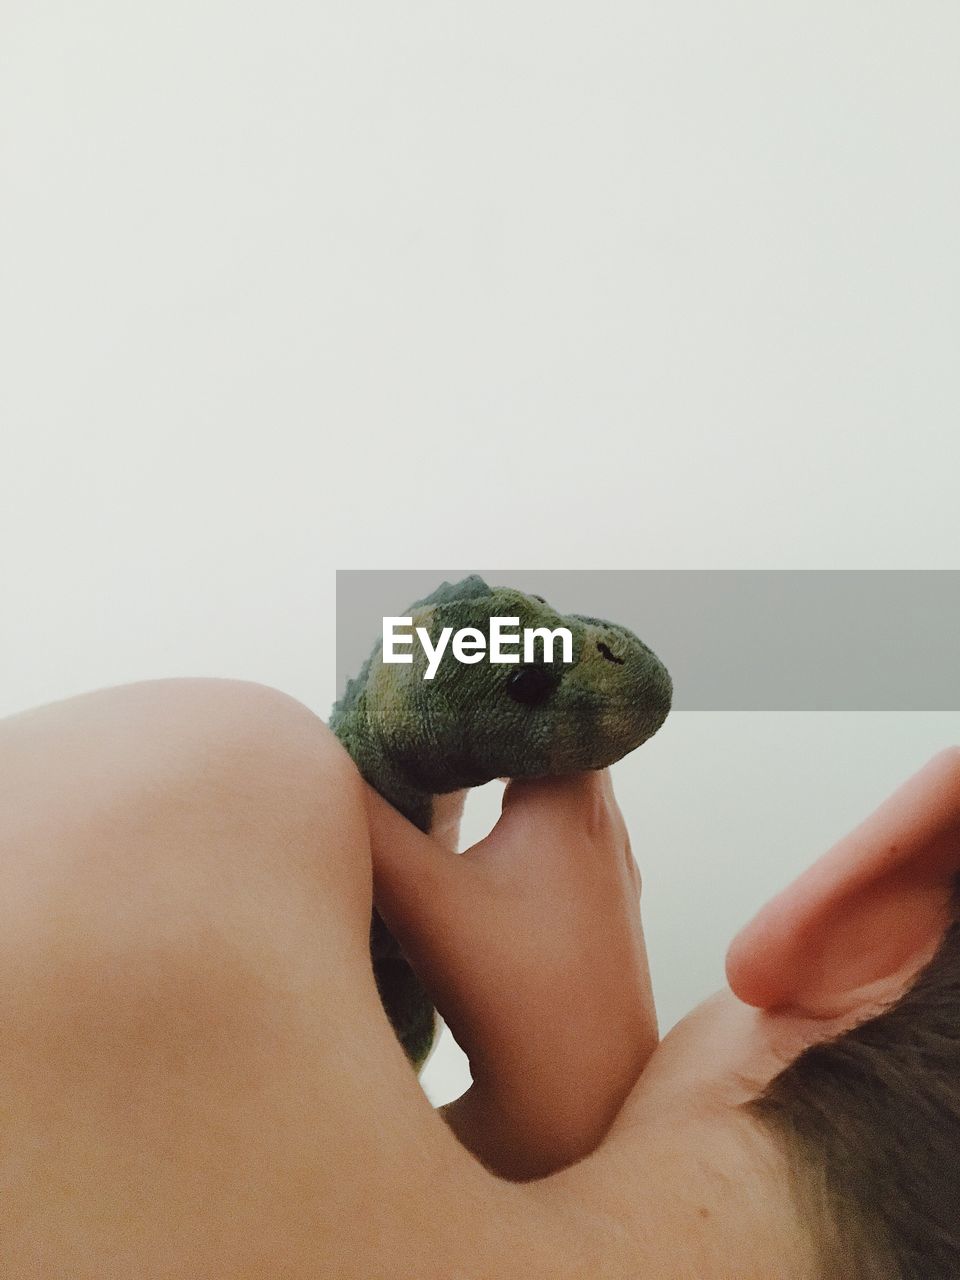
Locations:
column 196, row 1075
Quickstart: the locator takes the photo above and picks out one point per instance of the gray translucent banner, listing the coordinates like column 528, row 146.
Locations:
column 733, row 640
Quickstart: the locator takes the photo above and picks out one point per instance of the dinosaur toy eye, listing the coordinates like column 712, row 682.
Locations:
column 531, row 685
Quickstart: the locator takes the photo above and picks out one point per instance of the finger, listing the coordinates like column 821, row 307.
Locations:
column 556, row 800
column 551, row 820
column 417, row 881
column 446, row 817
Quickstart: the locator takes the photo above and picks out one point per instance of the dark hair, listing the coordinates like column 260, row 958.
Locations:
column 870, row 1124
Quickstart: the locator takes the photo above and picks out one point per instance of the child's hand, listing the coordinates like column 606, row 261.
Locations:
column 531, row 945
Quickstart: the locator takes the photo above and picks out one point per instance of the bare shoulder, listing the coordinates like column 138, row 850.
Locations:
column 161, row 774
column 198, row 732
column 192, row 1029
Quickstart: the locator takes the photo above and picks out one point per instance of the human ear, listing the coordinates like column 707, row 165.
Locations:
column 853, row 931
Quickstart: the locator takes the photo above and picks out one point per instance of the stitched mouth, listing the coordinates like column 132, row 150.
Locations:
column 608, row 653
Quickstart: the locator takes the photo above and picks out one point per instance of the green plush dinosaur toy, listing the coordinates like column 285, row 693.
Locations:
column 414, row 738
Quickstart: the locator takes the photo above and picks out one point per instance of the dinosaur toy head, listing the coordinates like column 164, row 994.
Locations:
column 471, row 723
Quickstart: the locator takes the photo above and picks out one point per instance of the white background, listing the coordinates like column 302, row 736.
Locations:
column 294, row 287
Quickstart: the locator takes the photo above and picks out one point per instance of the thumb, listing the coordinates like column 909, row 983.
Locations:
column 547, row 822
